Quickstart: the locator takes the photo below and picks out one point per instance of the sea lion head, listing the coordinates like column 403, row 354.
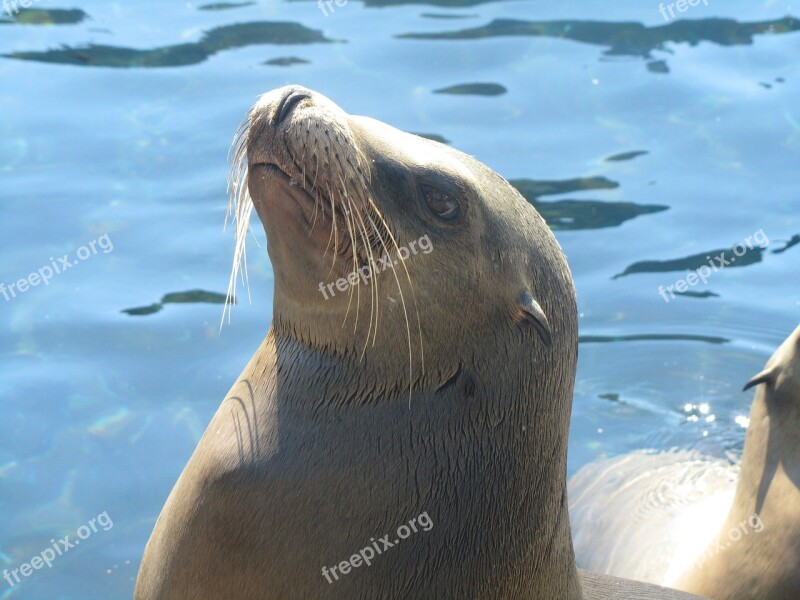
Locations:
column 383, row 239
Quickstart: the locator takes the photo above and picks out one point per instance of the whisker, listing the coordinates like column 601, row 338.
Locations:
column 335, row 230
column 373, row 283
column 240, row 207
column 355, row 270
column 411, row 285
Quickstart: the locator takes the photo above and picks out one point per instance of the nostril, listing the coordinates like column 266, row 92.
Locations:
column 288, row 104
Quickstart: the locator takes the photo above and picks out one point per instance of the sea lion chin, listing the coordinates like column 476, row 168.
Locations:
column 439, row 387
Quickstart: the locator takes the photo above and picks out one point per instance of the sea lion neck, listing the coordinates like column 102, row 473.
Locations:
column 375, row 235
column 453, row 372
column 477, row 444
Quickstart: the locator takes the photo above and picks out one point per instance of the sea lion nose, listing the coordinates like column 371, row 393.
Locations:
column 292, row 96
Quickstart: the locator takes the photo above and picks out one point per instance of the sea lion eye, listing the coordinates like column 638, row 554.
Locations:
column 441, row 203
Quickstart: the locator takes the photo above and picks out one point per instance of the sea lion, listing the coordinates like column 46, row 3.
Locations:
column 700, row 524
column 756, row 554
column 401, row 434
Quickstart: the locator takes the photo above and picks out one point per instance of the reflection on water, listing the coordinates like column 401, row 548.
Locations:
column 446, row 16
column 225, row 5
column 658, row 66
column 190, row 297
column 533, row 189
column 473, row 89
column 768, row 86
column 626, row 156
column 653, row 337
column 693, row 294
column 180, row 55
column 287, row 61
column 713, row 259
column 36, row 16
column 624, row 39
column 581, row 214
column 794, row 241
column 439, row 3
column 591, row 214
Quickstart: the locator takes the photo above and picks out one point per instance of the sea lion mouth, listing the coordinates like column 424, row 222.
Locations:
column 279, row 180
column 284, row 197
column 317, row 204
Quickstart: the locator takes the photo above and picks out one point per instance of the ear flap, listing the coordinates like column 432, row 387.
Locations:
column 766, row 376
column 534, row 314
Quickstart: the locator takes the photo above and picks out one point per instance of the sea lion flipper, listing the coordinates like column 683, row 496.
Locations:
column 766, row 376
column 533, row 311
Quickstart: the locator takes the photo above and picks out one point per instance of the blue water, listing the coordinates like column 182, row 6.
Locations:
column 101, row 408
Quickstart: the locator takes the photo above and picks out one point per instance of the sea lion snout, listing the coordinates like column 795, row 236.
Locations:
column 276, row 106
column 298, row 161
column 291, row 98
